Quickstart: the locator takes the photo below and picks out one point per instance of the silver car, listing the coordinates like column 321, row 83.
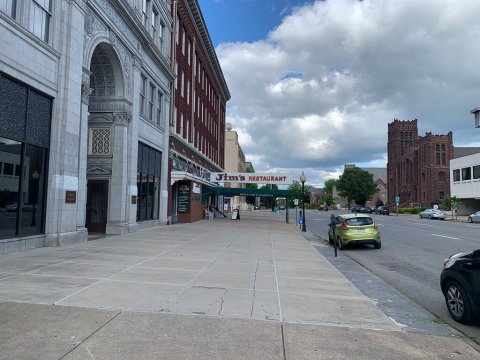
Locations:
column 474, row 217
column 432, row 214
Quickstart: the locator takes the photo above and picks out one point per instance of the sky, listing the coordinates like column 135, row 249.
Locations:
column 314, row 84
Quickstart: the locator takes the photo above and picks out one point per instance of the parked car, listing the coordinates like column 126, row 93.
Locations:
column 460, row 284
column 382, row 210
column 361, row 209
column 432, row 214
column 323, row 207
column 25, row 207
column 475, row 217
column 355, row 229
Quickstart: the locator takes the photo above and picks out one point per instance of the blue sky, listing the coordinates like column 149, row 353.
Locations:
column 244, row 20
column 314, row 84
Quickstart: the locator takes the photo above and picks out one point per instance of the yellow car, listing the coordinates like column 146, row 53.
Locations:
column 355, row 229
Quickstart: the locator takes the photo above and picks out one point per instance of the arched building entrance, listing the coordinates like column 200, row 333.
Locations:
column 109, row 113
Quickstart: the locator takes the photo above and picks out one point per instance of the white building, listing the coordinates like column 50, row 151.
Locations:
column 465, row 182
column 85, row 90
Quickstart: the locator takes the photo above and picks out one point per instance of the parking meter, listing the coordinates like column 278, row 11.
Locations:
column 333, row 226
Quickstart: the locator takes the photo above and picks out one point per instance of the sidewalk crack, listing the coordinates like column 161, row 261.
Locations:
column 254, row 287
column 222, row 301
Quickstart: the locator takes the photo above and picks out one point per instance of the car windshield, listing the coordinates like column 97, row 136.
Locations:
column 359, row 221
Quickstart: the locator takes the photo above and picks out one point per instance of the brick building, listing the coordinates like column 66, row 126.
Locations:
column 197, row 122
column 418, row 166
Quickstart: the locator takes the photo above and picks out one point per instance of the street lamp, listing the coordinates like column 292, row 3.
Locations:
column 303, row 178
column 35, row 177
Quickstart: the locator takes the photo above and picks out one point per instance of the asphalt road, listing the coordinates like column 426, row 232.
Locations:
column 411, row 256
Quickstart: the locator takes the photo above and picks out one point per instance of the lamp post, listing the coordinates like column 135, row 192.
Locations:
column 35, row 177
column 303, row 178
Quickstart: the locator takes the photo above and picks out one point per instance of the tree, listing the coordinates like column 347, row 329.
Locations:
column 296, row 189
column 327, row 195
column 250, row 199
column 451, row 203
column 356, row 184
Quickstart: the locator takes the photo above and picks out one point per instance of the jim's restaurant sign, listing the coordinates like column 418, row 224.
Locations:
column 251, row 178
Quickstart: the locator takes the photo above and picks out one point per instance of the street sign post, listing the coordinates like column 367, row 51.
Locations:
column 397, row 201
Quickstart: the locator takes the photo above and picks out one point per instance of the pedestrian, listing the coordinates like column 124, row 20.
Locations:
column 238, row 213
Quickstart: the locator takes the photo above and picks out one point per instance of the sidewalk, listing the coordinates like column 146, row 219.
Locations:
column 254, row 288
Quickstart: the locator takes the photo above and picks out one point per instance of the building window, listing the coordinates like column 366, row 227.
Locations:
column 149, row 165
column 8, row 7
column 159, row 108
column 442, row 195
column 143, row 91
column 154, row 24
column 99, row 142
column 161, row 35
column 456, row 175
column 183, row 41
column 39, row 18
column 151, row 101
column 476, row 172
column 423, row 176
column 176, row 75
column 188, row 91
column 182, row 88
column 25, row 117
column 467, row 173
column 145, row 6
column 441, row 177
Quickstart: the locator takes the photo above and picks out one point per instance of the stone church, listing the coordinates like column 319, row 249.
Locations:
column 418, row 168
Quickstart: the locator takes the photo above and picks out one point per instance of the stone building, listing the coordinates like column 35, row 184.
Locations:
column 234, row 163
column 418, row 166
column 197, row 123
column 85, row 95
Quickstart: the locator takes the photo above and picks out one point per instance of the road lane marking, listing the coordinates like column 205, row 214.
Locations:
column 448, row 237
column 417, row 223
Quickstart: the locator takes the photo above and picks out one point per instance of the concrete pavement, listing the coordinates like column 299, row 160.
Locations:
column 254, row 288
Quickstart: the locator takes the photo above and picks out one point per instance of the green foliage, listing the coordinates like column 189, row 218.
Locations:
column 296, row 189
column 329, row 185
column 356, row 184
column 450, row 203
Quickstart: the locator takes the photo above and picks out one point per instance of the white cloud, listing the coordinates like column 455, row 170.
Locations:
column 321, row 89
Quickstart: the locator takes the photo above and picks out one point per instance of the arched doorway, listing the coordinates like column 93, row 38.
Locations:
column 106, row 110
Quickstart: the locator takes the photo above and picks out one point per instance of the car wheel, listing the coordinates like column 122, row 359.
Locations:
column 377, row 245
column 340, row 245
column 420, row 216
column 470, row 219
column 429, row 217
column 457, row 303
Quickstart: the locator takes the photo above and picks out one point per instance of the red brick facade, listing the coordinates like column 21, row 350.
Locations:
column 418, row 167
column 197, row 125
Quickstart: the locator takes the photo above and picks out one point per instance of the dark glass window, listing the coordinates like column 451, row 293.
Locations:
column 25, row 117
column 476, row 172
column 456, row 175
column 467, row 173
column 148, row 183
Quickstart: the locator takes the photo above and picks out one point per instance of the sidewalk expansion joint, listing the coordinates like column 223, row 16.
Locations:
column 88, row 337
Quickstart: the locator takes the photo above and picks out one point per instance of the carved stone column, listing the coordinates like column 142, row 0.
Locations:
column 83, row 149
column 118, row 201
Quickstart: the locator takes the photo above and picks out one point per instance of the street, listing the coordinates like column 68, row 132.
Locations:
column 411, row 256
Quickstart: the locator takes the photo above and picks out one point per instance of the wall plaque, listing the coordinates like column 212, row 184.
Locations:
column 70, row 197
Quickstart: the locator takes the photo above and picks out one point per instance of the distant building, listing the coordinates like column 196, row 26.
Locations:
column 418, row 166
column 234, row 163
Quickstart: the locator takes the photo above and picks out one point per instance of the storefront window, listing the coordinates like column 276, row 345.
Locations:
column 24, row 140
column 148, row 183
